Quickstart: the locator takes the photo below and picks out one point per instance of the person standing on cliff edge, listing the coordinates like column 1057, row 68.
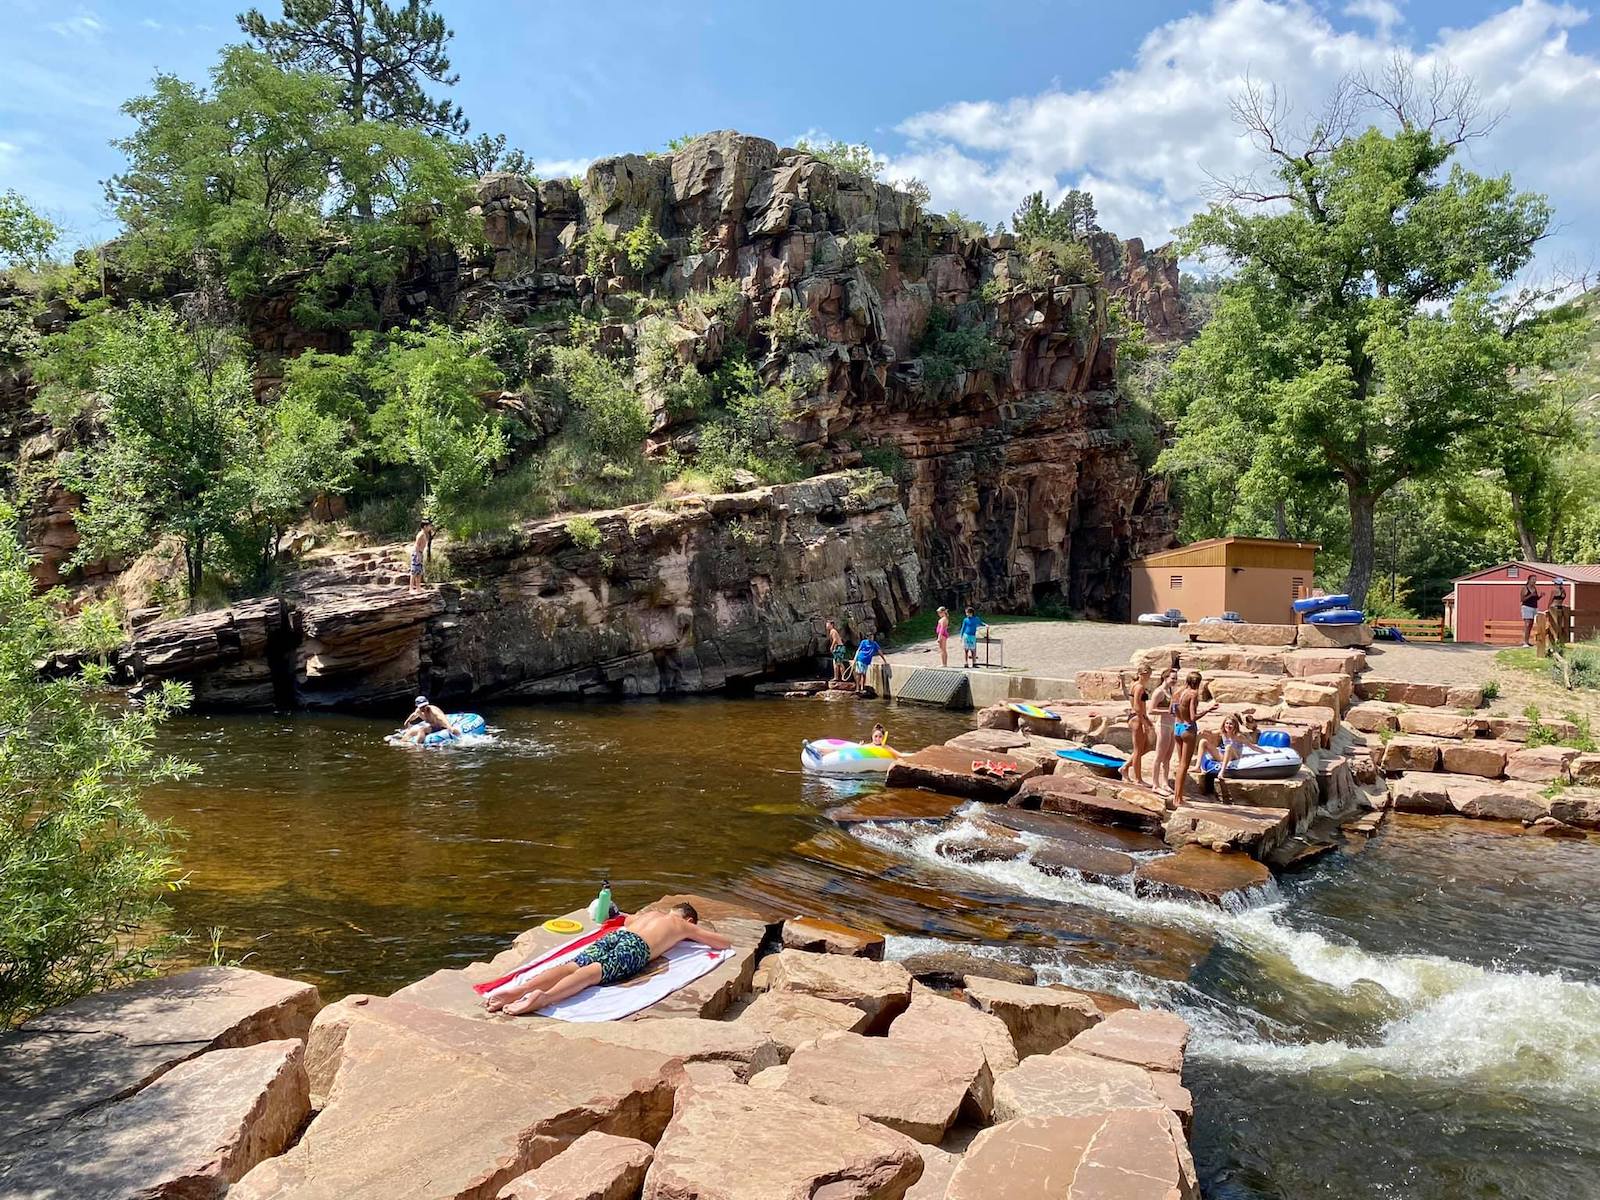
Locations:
column 421, row 546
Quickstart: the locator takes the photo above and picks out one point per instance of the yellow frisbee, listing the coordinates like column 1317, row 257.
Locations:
column 563, row 925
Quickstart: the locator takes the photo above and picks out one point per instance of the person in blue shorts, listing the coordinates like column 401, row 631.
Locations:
column 865, row 653
column 969, row 638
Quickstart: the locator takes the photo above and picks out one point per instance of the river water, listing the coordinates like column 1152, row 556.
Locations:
column 1418, row 1020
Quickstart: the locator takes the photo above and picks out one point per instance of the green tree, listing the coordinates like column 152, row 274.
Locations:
column 380, row 53
column 430, row 416
column 1074, row 216
column 486, row 154
column 305, row 453
column 261, row 177
column 180, row 451
column 83, row 868
column 25, row 236
column 1357, row 340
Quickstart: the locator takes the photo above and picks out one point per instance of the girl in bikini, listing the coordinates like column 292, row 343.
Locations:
column 941, row 633
column 1233, row 745
column 1187, row 712
column 1161, row 701
column 1143, row 730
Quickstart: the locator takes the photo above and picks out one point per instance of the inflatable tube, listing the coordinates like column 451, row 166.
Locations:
column 1337, row 616
column 1033, row 710
column 1274, row 739
column 834, row 756
column 1092, row 758
column 1281, row 763
column 1158, row 619
column 464, row 725
column 1313, row 604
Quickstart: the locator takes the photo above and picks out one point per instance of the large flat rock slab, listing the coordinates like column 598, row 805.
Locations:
column 1069, row 1084
column 1496, row 800
column 190, row 1134
column 1142, row 1037
column 743, row 1143
column 1374, row 686
column 792, row 1019
column 1324, row 660
column 1125, row 1154
column 822, row 936
column 1253, row 831
column 1074, row 831
column 1238, row 633
column 949, row 970
column 1039, row 1019
column 950, row 772
column 933, row 1019
column 1069, row 795
column 1298, row 795
column 427, row 1105
column 598, row 1166
column 111, row 1044
column 1326, row 637
column 914, row 1089
column 895, row 804
column 881, row 990
column 1196, row 873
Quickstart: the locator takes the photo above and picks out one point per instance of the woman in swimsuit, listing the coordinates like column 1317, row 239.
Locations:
column 1143, row 731
column 1187, row 712
column 1161, row 701
column 1234, row 745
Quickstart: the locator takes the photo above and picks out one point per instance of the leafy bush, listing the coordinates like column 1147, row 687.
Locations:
column 1045, row 260
column 1491, row 690
column 947, row 349
column 788, row 329
column 82, row 867
column 965, row 225
column 680, row 384
column 641, row 244
column 862, row 250
column 724, row 299
column 888, row 459
column 854, row 163
column 585, row 534
column 1582, row 667
column 610, row 416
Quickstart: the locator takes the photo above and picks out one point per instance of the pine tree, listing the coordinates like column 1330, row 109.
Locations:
column 380, row 53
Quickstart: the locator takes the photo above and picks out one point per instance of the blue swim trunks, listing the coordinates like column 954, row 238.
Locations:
column 620, row 955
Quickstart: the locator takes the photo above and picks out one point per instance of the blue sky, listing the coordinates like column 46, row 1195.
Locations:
column 983, row 101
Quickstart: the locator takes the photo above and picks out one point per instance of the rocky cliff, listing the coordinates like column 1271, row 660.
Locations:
column 681, row 596
column 1018, row 479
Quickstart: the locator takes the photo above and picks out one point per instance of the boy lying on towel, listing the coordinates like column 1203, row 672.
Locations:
column 618, row 956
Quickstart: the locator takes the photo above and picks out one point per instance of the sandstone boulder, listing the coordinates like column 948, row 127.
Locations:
column 1245, row 689
column 744, row 1143
column 744, row 1048
column 1541, row 764
column 989, row 741
column 1373, row 716
column 1440, row 723
column 1239, row 633
column 1254, row 831
column 1303, row 693
column 1103, row 685
column 1143, row 1037
column 791, row 1019
column 933, row 1019
column 110, row 1044
column 1330, row 637
column 1298, row 795
column 937, row 1167
column 914, row 1089
column 1324, row 660
column 1464, row 696
column 1578, row 806
column 1402, row 691
column 951, row 772
column 1070, row 1084
column 598, row 1166
column 1325, row 721
column 1419, row 793
column 191, row 1133
column 1496, row 800
column 427, row 1104
column 830, row 937
column 1585, row 768
column 1089, row 863
column 1070, row 796
column 1345, row 685
column 881, row 990
column 1126, row 1154
column 1040, row 1019
column 895, row 804
column 1410, row 753
column 1476, row 756
column 1194, row 872
column 948, row 970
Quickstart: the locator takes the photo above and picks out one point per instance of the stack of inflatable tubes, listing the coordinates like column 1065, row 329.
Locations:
column 1329, row 610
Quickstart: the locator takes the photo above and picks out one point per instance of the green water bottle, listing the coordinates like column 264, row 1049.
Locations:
column 600, row 910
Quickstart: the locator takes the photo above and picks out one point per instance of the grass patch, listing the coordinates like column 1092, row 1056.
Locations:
column 1521, row 658
column 920, row 627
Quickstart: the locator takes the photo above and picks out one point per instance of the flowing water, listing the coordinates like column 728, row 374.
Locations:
column 1418, row 1020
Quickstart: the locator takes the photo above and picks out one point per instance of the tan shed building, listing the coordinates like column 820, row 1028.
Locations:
column 1258, row 578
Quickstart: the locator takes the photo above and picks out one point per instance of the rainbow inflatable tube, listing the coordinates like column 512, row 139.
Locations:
column 834, row 756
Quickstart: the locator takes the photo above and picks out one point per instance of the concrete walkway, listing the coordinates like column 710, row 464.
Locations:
column 1054, row 648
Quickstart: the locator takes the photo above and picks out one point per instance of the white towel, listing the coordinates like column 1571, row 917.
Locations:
column 682, row 964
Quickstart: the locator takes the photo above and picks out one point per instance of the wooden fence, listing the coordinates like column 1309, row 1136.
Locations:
column 1418, row 630
column 1509, row 633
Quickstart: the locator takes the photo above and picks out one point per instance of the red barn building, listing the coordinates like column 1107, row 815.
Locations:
column 1494, row 594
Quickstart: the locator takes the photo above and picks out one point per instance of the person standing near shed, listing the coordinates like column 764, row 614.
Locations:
column 1530, row 608
column 1560, row 614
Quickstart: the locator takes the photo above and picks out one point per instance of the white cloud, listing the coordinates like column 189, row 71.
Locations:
column 1148, row 138
column 1382, row 13
column 84, row 27
column 560, row 168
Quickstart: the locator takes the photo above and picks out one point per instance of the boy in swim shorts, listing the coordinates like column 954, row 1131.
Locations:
column 615, row 958
column 969, row 639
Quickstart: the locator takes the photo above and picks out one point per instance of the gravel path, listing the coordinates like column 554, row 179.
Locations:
column 1058, row 649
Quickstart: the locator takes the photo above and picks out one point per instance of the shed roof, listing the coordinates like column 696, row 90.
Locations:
column 1221, row 551
column 1571, row 572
